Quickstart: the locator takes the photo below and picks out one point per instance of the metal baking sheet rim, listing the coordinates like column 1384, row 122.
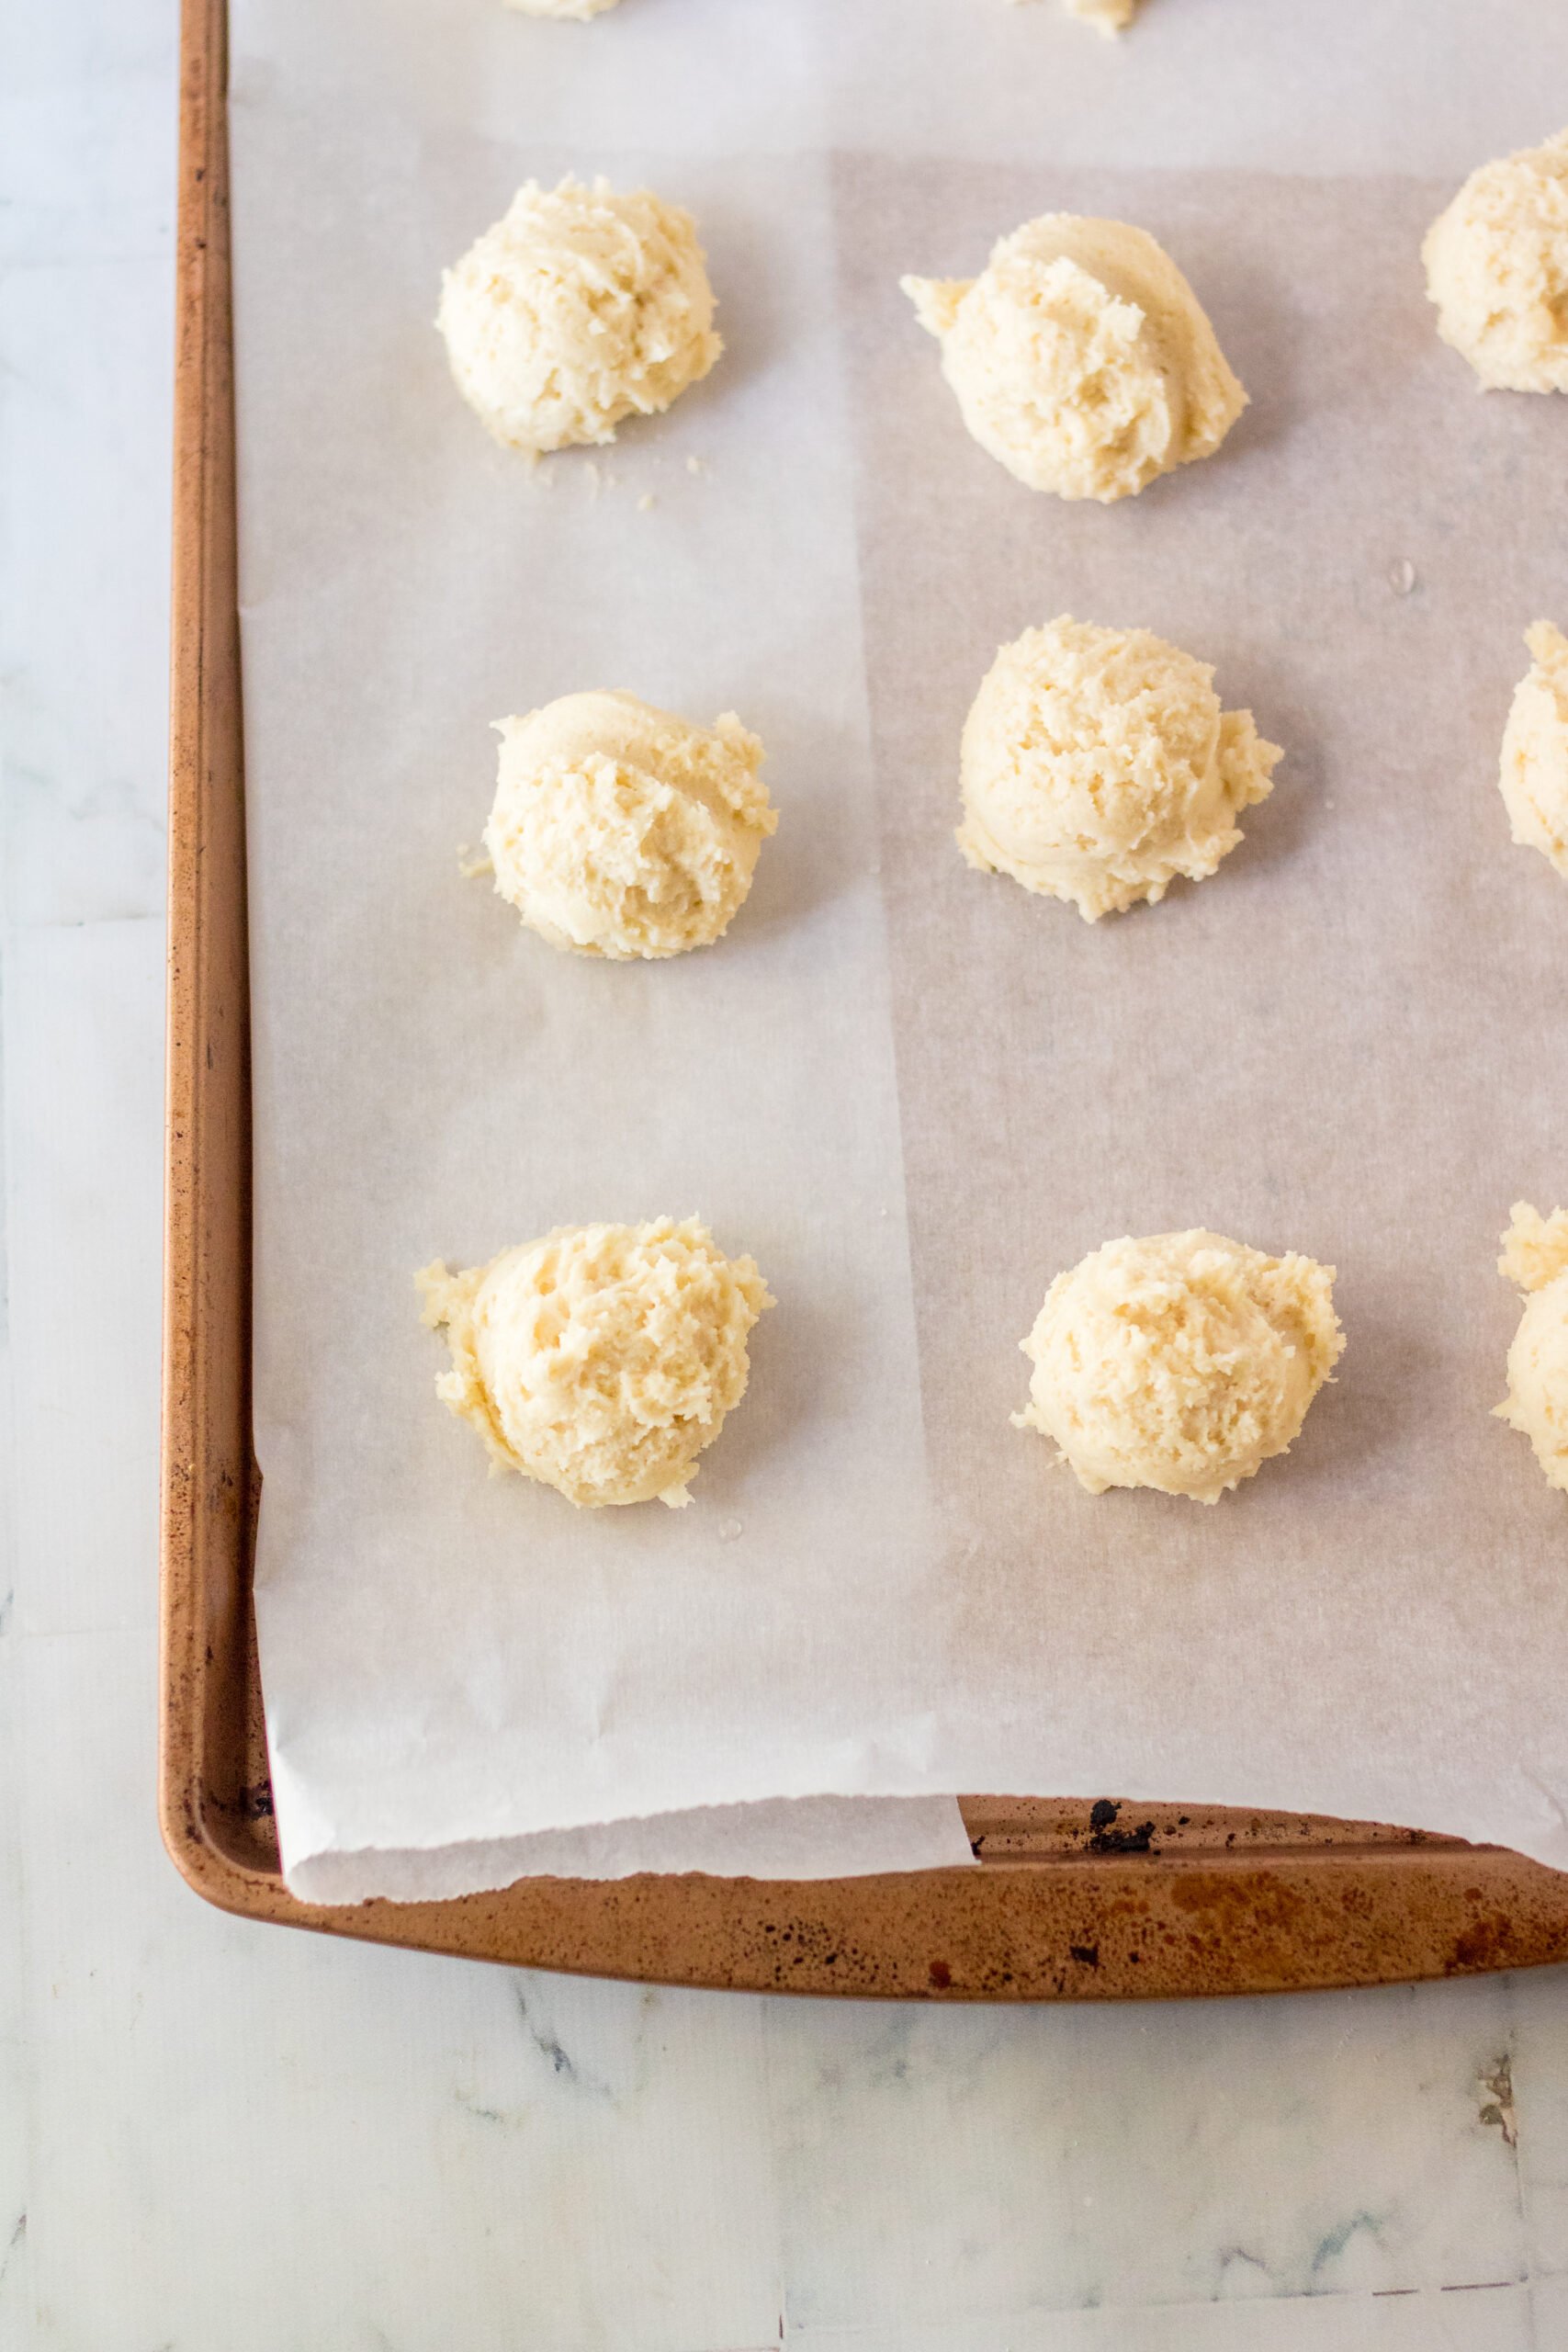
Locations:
column 1070, row 1902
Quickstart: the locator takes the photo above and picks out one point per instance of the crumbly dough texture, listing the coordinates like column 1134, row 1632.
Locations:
column 1534, row 773
column 1181, row 1361
column 601, row 1360
column 1097, row 765
column 623, row 831
column 1535, row 1256
column 1081, row 357
column 1497, row 269
column 580, row 307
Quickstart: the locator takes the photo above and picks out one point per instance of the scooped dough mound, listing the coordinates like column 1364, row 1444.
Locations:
column 1497, row 269
column 1535, row 1255
column 621, row 830
column 578, row 11
column 579, row 307
column 601, row 1360
column 1097, row 765
column 1081, row 358
column 1181, row 1361
column 1534, row 774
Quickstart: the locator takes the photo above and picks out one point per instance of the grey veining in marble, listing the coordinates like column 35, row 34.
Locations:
column 220, row 2139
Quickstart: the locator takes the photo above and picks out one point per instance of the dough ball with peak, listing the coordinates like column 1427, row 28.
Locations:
column 1097, row 765
column 622, row 830
column 1081, row 358
column 582, row 307
column 601, row 1360
column 1181, row 1361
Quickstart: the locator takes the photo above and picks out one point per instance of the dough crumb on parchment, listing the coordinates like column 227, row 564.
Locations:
column 1108, row 16
column 577, row 12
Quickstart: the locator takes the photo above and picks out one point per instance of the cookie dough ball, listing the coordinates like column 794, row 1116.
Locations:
column 1534, row 774
column 1497, row 269
column 1097, row 765
column 1081, row 358
column 620, row 830
column 601, row 1360
column 1535, row 1255
column 578, row 308
column 1180, row 1362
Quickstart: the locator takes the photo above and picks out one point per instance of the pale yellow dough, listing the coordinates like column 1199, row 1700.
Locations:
column 622, row 830
column 1535, row 1256
column 1497, row 269
column 1081, row 358
column 1097, row 765
column 601, row 1360
column 1108, row 16
column 580, row 307
column 1181, row 1361
column 1534, row 773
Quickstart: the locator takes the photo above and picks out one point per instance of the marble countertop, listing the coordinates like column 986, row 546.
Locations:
column 218, row 2138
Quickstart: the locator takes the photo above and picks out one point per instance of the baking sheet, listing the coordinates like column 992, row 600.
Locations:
column 912, row 1093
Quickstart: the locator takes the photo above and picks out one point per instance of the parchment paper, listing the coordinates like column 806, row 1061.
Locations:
column 915, row 1094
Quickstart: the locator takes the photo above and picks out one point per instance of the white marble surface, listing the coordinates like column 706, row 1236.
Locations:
column 216, row 2138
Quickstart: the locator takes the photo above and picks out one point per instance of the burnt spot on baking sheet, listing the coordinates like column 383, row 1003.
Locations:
column 1105, row 1837
column 251, row 1803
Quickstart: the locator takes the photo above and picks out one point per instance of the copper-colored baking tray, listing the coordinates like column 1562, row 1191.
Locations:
column 1070, row 1901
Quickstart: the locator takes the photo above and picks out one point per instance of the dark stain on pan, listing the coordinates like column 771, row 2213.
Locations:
column 1485, row 1943
column 1104, row 1838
